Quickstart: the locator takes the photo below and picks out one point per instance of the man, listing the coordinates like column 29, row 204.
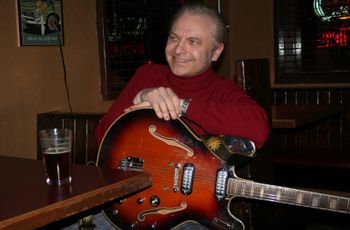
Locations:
column 188, row 86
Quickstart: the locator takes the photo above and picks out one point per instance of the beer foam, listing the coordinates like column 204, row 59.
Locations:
column 58, row 150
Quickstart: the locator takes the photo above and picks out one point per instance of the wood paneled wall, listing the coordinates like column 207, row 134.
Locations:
column 330, row 134
column 317, row 153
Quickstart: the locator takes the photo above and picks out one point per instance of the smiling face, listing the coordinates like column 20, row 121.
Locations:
column 191, row 47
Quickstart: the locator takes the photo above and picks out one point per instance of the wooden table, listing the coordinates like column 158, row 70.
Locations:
column 27, row 201
column 295, row 116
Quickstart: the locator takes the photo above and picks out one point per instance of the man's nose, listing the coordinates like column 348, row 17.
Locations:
column 180, row 47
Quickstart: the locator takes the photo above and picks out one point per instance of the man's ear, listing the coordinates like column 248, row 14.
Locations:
column 217, row 52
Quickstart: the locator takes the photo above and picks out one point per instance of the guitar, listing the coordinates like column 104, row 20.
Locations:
column 189, row 183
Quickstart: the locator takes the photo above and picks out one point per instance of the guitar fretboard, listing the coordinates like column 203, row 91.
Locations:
column 279, row 194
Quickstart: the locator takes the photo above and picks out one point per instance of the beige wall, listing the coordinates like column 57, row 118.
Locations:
column 32, row 76
column 251, row 30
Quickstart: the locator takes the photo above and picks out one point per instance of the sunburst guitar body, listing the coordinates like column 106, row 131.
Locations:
column 189, row 183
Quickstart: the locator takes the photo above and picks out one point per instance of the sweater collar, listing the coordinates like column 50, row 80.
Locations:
column 191, row 83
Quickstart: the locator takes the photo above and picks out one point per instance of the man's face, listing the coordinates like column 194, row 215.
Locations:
column 190, row 48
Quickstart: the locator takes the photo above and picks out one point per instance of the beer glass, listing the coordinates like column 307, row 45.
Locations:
column 56, row 145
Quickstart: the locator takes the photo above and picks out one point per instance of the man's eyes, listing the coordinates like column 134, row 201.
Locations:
column 189, row 41
column 194, row 42
column 172, row 38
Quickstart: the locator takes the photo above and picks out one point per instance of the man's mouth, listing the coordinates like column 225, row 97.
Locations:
column 180, row 60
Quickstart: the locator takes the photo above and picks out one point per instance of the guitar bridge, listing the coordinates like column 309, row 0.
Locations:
column 131, row 163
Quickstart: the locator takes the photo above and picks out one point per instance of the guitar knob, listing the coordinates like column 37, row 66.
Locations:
column 140, row 200
column 133, row 226
column 154, row 226
column 154, row 201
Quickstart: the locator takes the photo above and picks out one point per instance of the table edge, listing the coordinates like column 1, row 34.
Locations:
column 52, row 212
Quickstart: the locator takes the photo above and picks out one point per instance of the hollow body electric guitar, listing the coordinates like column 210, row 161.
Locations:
column 189, row 182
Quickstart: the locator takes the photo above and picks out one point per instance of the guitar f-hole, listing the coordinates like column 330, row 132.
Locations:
column 170, row 141
column 161, row 211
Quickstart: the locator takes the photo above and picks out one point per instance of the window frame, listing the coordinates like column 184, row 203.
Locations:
column 316, row 78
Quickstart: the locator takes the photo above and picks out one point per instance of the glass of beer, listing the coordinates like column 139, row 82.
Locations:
column 56, row 145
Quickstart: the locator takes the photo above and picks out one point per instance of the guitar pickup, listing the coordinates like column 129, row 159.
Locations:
column 221, row 182
column 187, row 178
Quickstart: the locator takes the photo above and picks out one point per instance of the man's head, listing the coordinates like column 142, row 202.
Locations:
column 195, row 40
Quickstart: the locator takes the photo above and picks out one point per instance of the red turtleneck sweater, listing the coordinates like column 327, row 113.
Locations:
column 218, row 105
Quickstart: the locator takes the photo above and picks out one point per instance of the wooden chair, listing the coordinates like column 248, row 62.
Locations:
column 253, row 76
column 84, row 149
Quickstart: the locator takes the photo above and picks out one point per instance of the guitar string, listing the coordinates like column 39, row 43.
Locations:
column 286, row 195
column 297, row 194
column 271, row 196
column 283, row 196
column 171, row 170
column 267, row 193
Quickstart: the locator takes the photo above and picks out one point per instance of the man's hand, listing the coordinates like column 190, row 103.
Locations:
column 164, row 101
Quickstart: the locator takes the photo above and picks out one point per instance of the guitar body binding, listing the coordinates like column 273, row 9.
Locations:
column 188, row 182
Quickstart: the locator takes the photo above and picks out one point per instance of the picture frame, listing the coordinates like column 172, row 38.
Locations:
column 40, row 22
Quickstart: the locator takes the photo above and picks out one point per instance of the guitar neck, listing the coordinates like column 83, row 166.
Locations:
column 291, row 196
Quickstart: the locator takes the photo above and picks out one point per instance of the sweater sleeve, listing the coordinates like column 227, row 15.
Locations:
column 148, row 75
column 232, row 113
column 123, row 101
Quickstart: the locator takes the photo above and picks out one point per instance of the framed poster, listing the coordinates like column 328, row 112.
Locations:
column 40, row 22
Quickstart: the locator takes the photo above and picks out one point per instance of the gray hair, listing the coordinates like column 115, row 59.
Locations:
column 197, row 8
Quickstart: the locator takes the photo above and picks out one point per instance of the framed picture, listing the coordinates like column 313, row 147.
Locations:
column 40, row 22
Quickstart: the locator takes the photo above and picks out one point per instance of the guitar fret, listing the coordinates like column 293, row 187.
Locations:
column 261, row 193
column 234, row 186
column 333, row 203
column 273, row 192
column 248, row 189
column 252, row 191
column 243, row 189
column 278, row 195
column 307, row 199
column 256, row 189
column 267, row 193
column 324, row 201
column 344, row 204
column 315, row 199
column 291, row 195
column 299, row 197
